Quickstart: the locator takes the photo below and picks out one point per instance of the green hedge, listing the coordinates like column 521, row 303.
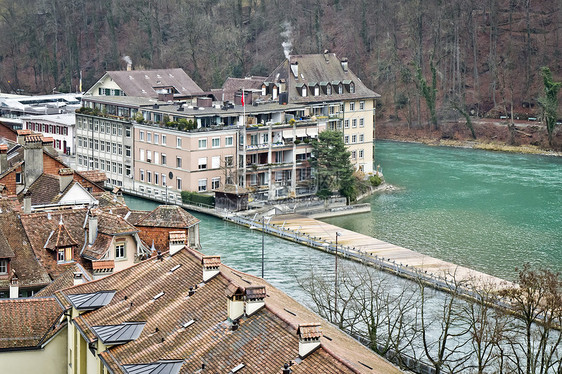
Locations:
column 189, row 197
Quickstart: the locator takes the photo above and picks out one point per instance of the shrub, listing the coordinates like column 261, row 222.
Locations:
column 189, row 197
column 375, row 180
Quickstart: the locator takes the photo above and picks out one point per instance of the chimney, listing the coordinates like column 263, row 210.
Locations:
column 287, row 369
column 3, row 158
column 177, row 241
column 92, row 228
column 27, row 202
column 295, row 69
column 309, row 338
column 21, row 136
column 344, row 64
column 211, row 266
column 129, row 66
column 33, row 157
column 235, row 304
column 255, row 299
column 78, row 278
column 14, row 286
column 65, row 177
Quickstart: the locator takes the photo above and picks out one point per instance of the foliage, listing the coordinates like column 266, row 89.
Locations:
column 139, row 117
column 549, row 102
column 189, row 197
column 375, row 180
column 429, row 93
column 467, row 118
column 330, row 160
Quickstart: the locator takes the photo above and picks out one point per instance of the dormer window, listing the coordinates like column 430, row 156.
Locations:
column 263, row 90
column 64, row 254
column 340, row 88
column 304, row 91
column 4, row 266
column 316, row 91
column 352, row 87
column 329, row 89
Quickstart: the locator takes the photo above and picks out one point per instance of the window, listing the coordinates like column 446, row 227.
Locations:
column 215, row 183
column 127, row 151
column 113, row 148
column 164, row 180
column 18, row 178
column 127, row 170
column 216, row 142
column 156, row 177
column 156, row 157
column 304, row 91
column 149, row 137
column 361, row 154
column 178, row 142
column 228, row 141
column 120, row 169
column 141, row 154
column 361, row 122
column 346, row 139
column 352, row 87
column 156, row 138
column 354, row 123
column 178, row 162
column 346, row 123
column 114, row 129
column 141, row 135
column 120, row 131
column 354, row 138
column 340, row 88
column 351, row 106
column 3, row 266
column 148, row 156
column 120, row 250
column 353, row 154
column 102, row 164
column 361, row 138
column 90, row 143
column 202, row 143
column 202, row 163
column 102, row 146
column 316, row 91
column 60, row 255
column 228, row 160
column 141, row 175
column 361, row 105
column 202, row 185
column 149, row 176
column 328, row 90
column 128, row 132
column 178, row 183
column 113, row 167
column 163, row 159
column 216, row 162
column 107, row 146
column 120, row 149
column 163, row 139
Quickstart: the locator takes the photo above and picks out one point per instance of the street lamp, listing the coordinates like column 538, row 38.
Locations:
column 336, row 277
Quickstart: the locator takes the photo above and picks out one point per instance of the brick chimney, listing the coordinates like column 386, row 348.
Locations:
column 21, row 134
column 65, row 177
column 92, row 228
column 3, row 158
column 309, row 338
column 33, row 157
column 78, row 278
column 255, row 299
column 27, row 202
column 14, row 286
column 211, row 266
column 235, row 304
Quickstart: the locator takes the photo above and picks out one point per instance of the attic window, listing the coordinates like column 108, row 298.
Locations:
column 316, row 91
column 158, row 296
column 340, row 88
column 352, row 87
column 304, row 91
column 328, row 89
column 237, row 368
column 4, row 266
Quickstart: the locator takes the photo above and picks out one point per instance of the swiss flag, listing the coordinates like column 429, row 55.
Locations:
column 242, row 99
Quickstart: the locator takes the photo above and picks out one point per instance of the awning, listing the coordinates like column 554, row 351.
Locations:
column 301, row 133
column 288, row 134
column 312, row 132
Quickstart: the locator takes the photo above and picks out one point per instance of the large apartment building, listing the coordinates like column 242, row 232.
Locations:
column 196, row 143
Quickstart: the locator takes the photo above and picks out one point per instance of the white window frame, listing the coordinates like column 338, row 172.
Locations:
column 202, row 143
column 217, row 141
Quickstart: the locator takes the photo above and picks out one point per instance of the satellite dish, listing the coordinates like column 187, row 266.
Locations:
column 171, row 175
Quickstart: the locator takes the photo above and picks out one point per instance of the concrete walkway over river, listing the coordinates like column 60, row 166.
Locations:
column 390, row 257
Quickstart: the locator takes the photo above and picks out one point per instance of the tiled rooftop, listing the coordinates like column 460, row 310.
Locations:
column 171, row 216
column 263, row 342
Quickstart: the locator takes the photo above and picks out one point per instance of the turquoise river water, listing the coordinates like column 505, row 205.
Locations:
column 488, row 211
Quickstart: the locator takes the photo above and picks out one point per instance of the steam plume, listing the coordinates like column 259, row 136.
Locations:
column 287, row 36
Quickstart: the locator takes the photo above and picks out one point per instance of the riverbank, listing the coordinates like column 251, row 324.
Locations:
column 492, row 135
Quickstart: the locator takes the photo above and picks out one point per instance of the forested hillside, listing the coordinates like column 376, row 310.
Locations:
column 487, row 53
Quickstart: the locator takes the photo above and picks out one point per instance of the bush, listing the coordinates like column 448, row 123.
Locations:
column 375, row 180
column 189, row 197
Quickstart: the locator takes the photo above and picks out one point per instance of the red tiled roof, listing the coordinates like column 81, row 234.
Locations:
column 310, row 331
column 28, row 323
column 96, row 176
column 168, row 216
column 263, row 341
column 65, row 280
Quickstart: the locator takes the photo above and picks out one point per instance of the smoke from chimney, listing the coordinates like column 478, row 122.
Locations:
column 129, row 62
column 287, row 36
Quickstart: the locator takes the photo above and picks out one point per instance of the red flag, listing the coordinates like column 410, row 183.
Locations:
column 242, row 98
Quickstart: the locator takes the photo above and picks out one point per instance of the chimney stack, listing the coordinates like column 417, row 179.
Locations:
column 27, row 202
column 309, row 338
column 3, row 158
column 344, row 64
column 14, row 286
column 255, row 299
column 33, row 158
column 65, row 177
column 78, row 278
column 211, row 266
column 129, row 66
column 177, row 239
column 92, row 228
column 21, row 135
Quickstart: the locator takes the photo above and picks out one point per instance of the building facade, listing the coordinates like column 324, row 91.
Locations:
column 60, row 127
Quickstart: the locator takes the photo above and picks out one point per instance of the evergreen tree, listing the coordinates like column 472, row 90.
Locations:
column 330, row 160
column 549, row 102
